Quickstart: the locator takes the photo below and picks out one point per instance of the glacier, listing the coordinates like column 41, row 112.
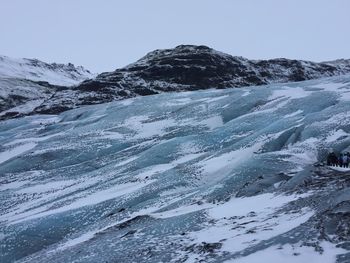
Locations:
column 228, row 175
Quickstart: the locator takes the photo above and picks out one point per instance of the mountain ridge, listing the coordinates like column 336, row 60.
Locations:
column 183, row 68
column 28, row 83
column 37, row 70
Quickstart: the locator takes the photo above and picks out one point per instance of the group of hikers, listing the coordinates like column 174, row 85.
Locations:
column 342, row 161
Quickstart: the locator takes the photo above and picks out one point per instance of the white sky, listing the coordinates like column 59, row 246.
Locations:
column 103, row 35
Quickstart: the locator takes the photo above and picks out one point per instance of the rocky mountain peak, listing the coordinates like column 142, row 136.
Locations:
column 186, row 56
column 183, row 68
column 190, row 67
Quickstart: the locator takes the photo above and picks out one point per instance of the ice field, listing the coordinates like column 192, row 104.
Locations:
column 176, row 177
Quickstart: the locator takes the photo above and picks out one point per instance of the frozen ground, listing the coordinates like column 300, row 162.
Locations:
column 207, row 176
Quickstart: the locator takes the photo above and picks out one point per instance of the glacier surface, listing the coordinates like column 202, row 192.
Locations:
column 205, row 176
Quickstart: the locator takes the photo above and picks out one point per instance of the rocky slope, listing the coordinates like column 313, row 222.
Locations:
column 199, row 67
column 184, row 68
column 25, row 84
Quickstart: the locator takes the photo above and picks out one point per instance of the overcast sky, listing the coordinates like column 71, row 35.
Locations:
column 103, row 35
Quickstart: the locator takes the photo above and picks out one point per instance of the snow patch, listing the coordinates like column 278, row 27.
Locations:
column 16, row 151
column 212, row 122
column 335, row 135
column 293, row 114
column 46, row 187
column 244, row 222
column 293, row 253
column 89, row 200
column 291, row 93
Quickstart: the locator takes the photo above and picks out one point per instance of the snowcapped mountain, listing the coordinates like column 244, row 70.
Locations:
column 26, row 84
column 36, row 70
column 232, row 175
column 188, row 67
column 183, row 68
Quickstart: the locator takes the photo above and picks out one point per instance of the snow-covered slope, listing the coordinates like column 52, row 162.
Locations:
column 36, row 70
column 205, row 176
column 26, row 84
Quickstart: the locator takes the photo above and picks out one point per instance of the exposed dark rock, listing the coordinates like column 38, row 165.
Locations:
column 121, row 210
column 204, row 247
column 189, row 67
column 184, row 68
column 262, row 184
column 129, row 233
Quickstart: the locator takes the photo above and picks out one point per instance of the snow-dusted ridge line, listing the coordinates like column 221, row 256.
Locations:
column 36, row 70
column 183, row 68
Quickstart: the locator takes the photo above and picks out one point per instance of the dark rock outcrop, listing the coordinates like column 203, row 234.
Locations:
column 184, row 68
column 187, row 68
column 199, row 67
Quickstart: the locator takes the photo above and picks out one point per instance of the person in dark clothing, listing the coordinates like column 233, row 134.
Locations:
column 340, row 160
column 345, row 160
column 332, row 159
